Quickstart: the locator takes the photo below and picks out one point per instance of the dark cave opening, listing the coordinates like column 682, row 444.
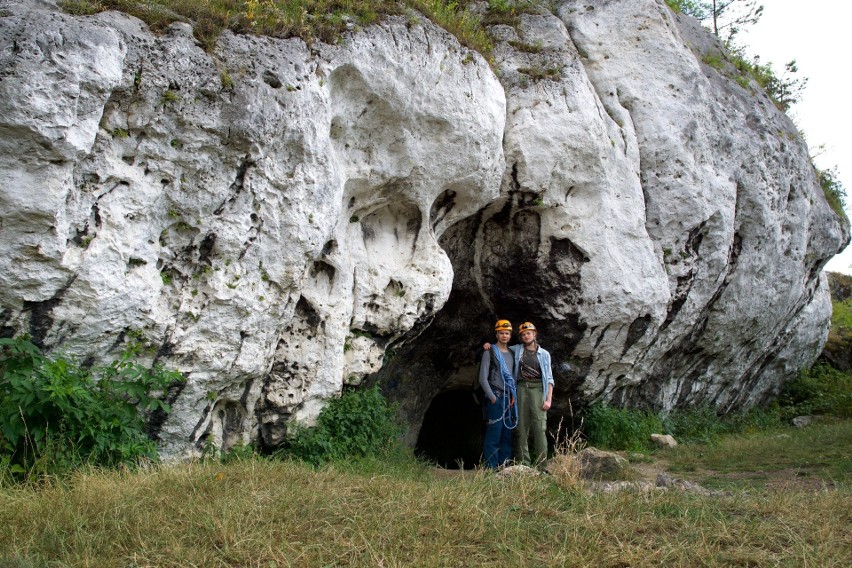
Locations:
column 451, row 434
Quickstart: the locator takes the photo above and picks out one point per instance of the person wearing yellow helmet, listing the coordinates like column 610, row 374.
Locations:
column 534, row 381
column 497, row 383
column 535, row 394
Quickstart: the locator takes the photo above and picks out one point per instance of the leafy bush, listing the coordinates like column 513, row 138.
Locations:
column 360, row 423
column 785, row 89
column 702, row 425
column 630, row 430
column 757, row 419
column 699, row 425
column 620, row 428
column 822, row 389
column 238, row 453
column 56, row 415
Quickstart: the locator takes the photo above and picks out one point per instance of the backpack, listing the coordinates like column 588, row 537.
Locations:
column 476, row 390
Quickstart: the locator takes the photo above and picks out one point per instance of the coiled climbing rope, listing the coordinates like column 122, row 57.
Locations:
column 509, row 415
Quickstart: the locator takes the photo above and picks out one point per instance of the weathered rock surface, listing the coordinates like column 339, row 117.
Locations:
column 599, row 464
column 275, row 220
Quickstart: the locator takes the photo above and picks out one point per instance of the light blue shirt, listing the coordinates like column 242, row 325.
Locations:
column 543, row 362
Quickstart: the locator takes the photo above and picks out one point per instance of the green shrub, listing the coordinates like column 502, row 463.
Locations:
column 822, row 389
column 700, row 425
column 238, row 453
column 56, row 415
column 620, row 428
column 757, row 419
column 630, row 430
column 360, row 423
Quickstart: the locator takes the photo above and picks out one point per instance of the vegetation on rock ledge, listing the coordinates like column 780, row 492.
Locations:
column 323, row 20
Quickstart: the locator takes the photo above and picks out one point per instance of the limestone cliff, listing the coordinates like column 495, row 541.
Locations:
column 278, row 220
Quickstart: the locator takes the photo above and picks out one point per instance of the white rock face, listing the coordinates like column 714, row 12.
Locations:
column 731, row 209
column 270, row 218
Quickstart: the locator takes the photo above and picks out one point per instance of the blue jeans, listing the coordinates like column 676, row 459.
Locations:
column 497, row 447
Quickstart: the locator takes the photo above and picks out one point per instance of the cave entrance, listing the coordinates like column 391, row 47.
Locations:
column 452, row 431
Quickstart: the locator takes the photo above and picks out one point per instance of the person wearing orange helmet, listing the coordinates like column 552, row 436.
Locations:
column 498, row 385
column 535, row 395
column 534, row 382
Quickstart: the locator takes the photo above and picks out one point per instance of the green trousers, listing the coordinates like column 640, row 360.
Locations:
column 532, row 421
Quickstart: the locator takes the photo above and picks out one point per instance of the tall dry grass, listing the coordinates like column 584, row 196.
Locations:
column 564, row 467
column 265, row 513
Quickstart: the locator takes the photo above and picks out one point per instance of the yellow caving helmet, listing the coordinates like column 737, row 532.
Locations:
column 526, row 326
column 503, row 325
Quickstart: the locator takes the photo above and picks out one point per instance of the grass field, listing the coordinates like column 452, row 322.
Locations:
column 399, row 512
column 818, row 456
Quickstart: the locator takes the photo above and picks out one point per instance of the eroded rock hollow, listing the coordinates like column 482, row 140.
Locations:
column 278, row 220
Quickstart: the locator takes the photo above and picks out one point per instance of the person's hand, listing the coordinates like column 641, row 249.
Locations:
column 546, row 405
column 486, row 346
column 493, row 400
column 511, row 401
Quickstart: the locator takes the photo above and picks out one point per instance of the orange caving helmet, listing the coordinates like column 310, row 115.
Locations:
column 503, row 325
column 526, row 326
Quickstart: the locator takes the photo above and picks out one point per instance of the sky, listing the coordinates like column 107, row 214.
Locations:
column 817, row 35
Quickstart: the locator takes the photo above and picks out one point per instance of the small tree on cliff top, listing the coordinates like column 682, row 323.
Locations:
column 724, row 16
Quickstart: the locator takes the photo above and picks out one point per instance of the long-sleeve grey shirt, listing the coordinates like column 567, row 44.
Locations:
column 490, row 377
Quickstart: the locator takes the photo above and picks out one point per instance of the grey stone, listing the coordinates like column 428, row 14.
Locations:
column 803, row 421
column 664, row 440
